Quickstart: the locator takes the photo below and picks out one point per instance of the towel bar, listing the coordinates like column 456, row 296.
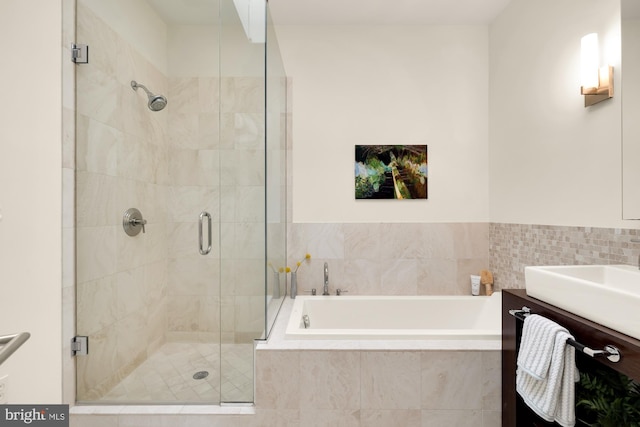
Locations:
column 609, row 351
column 10, row 343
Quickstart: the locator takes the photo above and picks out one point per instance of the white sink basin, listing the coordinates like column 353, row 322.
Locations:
column 606, row 294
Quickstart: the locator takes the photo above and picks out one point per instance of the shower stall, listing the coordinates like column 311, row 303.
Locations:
column 181, row 119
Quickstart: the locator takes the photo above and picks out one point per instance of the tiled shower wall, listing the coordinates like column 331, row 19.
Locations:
column 512, row 247
column 121, row 162
column 193, row 279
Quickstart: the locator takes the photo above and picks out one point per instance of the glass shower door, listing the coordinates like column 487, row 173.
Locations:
column 149, row 301
column 242, row 186
column 172, row 147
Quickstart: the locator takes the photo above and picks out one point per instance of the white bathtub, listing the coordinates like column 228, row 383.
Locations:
column 396, row 317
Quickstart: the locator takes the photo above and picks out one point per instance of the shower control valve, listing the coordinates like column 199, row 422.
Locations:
column 132, row 222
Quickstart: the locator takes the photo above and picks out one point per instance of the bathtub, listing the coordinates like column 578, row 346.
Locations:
column 395, row 318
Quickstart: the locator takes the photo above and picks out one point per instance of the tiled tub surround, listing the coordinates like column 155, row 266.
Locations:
column 390, row 258
column 512, row 247
column 420, row 383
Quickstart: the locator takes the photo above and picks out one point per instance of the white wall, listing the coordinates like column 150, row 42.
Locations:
column 30, row 196
column 388, row 85
column 552, row 161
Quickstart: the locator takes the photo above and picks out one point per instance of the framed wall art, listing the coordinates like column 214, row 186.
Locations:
column 391, row 172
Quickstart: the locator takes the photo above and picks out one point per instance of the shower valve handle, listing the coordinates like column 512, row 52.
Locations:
column 135, row 222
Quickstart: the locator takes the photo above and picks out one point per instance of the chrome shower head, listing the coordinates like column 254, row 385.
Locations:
column 156, row 102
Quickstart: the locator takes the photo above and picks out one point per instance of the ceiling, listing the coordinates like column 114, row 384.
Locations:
column 343, row 12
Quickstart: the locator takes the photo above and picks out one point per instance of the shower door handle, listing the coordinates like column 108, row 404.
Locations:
column 204, row 214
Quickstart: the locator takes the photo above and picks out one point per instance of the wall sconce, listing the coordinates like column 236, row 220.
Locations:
column 597, row 82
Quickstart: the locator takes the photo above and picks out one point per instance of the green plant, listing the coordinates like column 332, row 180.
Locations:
column 607, row 398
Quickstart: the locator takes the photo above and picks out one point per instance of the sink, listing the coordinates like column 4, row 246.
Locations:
column 605, row 294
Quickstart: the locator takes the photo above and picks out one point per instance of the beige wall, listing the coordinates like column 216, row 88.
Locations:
column 551, row 160
column 388, row 85
column 30, row 196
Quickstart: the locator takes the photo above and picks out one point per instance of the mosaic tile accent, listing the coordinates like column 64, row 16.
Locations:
column 512, row 247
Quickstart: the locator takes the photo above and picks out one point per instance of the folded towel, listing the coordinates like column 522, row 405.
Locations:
column 546, row 373
column 536, row 346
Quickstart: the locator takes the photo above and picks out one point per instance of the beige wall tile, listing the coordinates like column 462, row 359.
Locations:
column 96, row 252
column 358, row 276
column 398, row 277
column 390, row 380
column 387, row 418
column 362, row 241
column 437, row 277
column 183, row 130
column 401, row 241
column 471, row 240
column 492, row 381
column 97, row 304
column 96, row 200
column 330, row 380
column 241, row 94
column 320, row 240
column 278, row 379
column 97, row 147
column 491, row 418
column 329, row 418
column 440, row 418
column 452, row 380
column 249, row 314
column 397, row 259
column 209, row 94
column 185, row 96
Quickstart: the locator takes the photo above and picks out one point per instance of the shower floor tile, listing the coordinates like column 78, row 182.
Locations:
column 167, row 375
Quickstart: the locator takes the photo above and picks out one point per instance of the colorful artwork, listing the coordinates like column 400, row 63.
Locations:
column 391, row 172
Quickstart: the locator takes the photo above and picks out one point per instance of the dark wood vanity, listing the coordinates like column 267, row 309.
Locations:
column 514, row 412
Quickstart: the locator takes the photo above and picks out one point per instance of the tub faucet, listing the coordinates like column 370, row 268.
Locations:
column 325, row 290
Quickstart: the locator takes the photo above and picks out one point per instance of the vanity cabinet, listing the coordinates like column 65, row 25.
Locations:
column 514, row 411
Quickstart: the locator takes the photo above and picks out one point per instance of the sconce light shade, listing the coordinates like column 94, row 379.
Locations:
column 589, row 61
column 597, row 82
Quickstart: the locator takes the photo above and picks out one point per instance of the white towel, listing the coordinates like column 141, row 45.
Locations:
column 547, row 373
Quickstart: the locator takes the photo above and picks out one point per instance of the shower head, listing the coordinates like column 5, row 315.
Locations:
column 156, row 102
